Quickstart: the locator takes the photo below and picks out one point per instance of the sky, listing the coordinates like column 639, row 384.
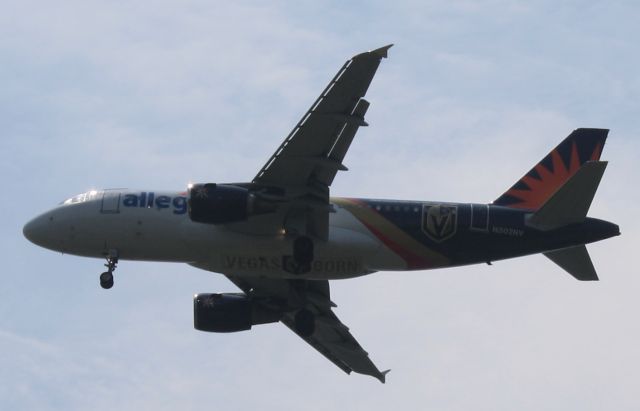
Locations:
column 99, row 94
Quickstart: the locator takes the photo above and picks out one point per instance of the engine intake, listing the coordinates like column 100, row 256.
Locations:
column 224, row 203
column 225, row 313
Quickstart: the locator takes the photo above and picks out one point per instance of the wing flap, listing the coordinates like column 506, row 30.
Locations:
column 337, row 344
column 331, row 337
column 343, row 142
column 338, row 107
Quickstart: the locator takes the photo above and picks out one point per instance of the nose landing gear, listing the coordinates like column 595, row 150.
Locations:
column 106, row 278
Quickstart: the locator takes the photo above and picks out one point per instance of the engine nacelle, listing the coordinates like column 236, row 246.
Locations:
column 224, row 203
column 225, row 313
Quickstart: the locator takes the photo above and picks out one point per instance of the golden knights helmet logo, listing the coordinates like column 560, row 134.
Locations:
column 439, row 221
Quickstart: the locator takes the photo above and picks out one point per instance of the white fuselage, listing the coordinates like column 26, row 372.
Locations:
column 155, row 226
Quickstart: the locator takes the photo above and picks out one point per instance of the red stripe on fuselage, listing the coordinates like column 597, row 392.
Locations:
column 413, row 261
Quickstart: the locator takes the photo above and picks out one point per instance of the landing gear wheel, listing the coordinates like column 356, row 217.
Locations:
column 106, row 280
column 303, row 250
column 305, row 322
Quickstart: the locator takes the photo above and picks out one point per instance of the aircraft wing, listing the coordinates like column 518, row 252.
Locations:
column 305, row 164
column 331, row 337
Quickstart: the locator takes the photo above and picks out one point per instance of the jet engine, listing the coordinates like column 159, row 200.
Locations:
column 224, row 203
column 230, row 312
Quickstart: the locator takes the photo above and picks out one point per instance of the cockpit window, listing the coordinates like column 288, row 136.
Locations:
column 81, row 198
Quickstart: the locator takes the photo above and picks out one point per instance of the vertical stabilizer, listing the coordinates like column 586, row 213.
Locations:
column 543, row 180
column 570, row 204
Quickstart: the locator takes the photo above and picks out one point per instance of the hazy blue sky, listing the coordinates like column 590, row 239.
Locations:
column 156, row 94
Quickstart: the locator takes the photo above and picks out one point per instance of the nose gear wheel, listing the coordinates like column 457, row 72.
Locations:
column 106, row 278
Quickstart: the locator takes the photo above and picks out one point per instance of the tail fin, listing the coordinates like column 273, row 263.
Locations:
column 569, row 205
column 575, row 261
column 542, row 181
column 571, row 202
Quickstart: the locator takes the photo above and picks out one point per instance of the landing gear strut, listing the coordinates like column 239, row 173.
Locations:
column 106, row 278
column 305, row 322
column 303, row 250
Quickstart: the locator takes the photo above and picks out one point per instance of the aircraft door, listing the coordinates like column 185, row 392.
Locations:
column 110, row 202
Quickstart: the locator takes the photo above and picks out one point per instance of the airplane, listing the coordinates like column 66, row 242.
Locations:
column 281, row 237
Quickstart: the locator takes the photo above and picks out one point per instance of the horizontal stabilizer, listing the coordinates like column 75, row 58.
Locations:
column 575, row 261
column 571, row 202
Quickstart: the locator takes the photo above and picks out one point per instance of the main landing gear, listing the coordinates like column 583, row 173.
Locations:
column 305, row 322
column 303, row 250
column 106, row 278
column 300, row 262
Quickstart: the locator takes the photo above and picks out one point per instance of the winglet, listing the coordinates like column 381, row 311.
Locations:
column 380, row 52
column 383, row 376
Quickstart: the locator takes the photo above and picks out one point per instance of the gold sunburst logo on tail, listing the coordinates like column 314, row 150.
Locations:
column 548, row 180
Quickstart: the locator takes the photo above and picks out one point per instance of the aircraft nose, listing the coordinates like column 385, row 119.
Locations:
column 36, row 230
